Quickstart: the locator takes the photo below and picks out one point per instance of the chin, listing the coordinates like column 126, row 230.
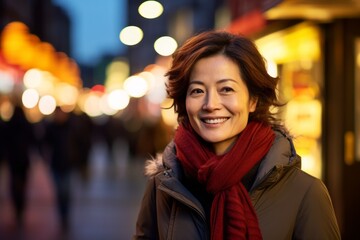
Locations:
column 212, row 139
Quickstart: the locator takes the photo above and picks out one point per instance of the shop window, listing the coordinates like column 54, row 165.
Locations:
column 297, row 53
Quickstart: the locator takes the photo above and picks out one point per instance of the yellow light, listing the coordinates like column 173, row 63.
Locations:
column 136, row 86
column 21, row 48
column 303, row 117
column 271, row 68
column 30, row 98
column 116, row 66
column 114, row 81
column 47, row 84
column 150, row 9
column 116, row 73
column 47, row 104
column 6, row 110
column 46, row 61
column 92, row 105
column 131, row 35
column 118, row 99
column 14, row 40
column 149, row 77
column 66, row 94
column 34, row 115
column 168, row 114
column 32, row 78
column 299, row 42
column 104, row 106
column 165, row 46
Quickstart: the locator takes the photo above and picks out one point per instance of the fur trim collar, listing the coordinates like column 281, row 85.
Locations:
column 154, row 165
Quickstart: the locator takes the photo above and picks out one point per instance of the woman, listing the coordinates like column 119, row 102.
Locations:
column 231, row 171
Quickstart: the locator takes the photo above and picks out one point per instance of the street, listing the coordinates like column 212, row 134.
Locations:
column 104, row 206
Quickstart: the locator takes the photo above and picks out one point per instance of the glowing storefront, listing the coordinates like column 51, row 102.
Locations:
column 294, row 54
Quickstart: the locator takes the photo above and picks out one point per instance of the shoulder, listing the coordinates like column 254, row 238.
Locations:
column 311, row 187
column 315, row 191
column 316, row 212
column 300, row 203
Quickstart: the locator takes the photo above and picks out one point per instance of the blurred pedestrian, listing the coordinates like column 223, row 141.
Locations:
column 231, row 171
column 19, row 140
column 2, row 141
column 82, row 140
column 59, row 145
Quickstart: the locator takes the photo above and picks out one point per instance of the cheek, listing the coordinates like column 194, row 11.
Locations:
column 191, row 114
column 236, row 105
column 192, row 104
column 239, row 107
column 192, row 111
column 189, row 107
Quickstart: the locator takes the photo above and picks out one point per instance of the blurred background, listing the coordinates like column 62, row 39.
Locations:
column 83, row 102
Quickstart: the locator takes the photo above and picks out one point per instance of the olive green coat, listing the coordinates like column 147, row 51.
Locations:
column 290, row 204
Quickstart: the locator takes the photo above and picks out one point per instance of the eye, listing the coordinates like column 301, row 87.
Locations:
column 195, row 91
column 227, row 89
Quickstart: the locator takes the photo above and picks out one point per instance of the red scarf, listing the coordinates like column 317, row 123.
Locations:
column 232, row 215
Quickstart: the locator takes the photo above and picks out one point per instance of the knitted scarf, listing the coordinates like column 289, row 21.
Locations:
column 232, row 215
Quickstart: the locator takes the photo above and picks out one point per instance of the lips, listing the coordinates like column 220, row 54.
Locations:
column 213, row 120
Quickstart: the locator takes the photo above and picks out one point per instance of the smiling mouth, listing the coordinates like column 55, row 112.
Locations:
column 214, row 120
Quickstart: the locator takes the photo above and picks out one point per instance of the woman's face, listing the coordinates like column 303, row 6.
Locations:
column 217, row 101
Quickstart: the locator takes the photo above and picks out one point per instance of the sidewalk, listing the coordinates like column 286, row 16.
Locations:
column 105, row 207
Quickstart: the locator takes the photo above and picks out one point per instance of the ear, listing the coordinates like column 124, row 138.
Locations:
column 252, row 104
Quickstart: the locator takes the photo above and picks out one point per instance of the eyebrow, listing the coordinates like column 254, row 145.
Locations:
column 217, row 82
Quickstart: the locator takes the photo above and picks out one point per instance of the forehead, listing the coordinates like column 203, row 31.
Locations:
column 215, row 67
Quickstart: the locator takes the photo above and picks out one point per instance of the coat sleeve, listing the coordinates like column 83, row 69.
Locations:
column 146, row 224
column 316, row 218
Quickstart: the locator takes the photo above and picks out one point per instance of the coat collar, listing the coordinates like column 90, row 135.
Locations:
column 282, row 153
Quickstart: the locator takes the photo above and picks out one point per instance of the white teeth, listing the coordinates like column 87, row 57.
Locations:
column 214, row 121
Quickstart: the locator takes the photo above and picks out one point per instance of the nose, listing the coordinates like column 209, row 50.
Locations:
column 212, row 101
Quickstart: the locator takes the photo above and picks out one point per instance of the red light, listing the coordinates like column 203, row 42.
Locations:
column 98, row 88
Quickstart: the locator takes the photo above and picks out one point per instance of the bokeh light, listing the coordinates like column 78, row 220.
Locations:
column 118, row 99
column 66, row 94
column 116, row 73
column 30, row 98
column 150, row 9
column 92, row 104
column 131, row 35
column 105, row 107
column 32, row 78
column 6, row 82
column 165, row 46
column 136, row 86
column 167, row 112
column 271, row 67
column 6, row 110
column 47, row 104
